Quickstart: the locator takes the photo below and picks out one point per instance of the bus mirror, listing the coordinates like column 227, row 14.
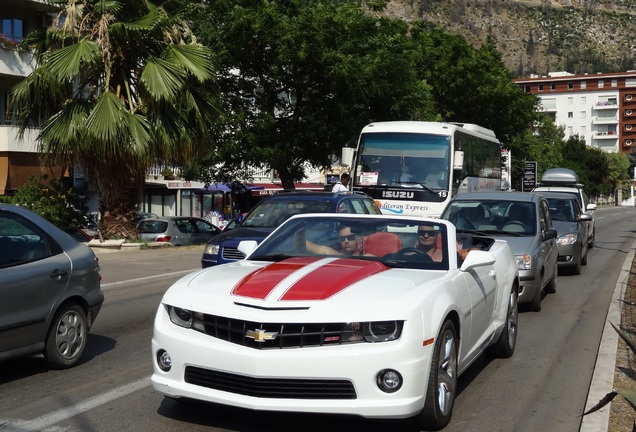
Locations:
column 458, row 160
column 347, row 156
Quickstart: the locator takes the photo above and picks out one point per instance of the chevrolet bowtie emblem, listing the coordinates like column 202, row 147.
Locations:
column 260, row 335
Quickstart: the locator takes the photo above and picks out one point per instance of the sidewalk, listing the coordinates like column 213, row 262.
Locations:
column 603, row 378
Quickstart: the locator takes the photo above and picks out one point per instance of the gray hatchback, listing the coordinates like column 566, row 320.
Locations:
column 50, row 289
column 176, row 230
column 521, row 218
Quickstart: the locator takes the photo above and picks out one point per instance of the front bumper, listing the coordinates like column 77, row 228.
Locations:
column 529, row 284
column 357, row 365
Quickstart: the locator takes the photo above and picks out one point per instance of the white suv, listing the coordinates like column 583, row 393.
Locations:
column 566, row 180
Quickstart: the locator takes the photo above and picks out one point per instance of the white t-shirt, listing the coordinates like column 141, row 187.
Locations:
column 339, row 187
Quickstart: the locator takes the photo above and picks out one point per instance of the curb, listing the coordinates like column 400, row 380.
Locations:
column 603, row 377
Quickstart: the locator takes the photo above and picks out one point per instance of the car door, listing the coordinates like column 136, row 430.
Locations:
column 549, row 250
column 34, row 272
column 482, row 290
column 204, row 231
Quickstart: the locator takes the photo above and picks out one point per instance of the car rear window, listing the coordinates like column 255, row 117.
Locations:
column 270, row 214
column 152, row 226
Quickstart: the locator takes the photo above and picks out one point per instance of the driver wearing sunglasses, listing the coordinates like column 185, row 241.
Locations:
column 427, row 241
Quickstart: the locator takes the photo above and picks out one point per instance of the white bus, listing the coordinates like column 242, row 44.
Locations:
column 414, row 168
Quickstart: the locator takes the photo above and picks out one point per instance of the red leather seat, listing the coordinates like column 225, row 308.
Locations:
column 382, row 243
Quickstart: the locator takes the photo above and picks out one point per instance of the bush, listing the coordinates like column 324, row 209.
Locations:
column 53, row 201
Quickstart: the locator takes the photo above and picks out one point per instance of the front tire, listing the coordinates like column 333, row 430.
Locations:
column 442, row 381
column 505, row 345
column 67, row 337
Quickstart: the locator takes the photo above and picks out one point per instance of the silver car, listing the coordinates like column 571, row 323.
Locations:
column 50, row 290
column 176, row 230
column 523, row 220
column 571, row 225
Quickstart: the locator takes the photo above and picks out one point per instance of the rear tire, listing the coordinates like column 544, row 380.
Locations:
column 505, row 345
column 442, row 381
column 67, row 337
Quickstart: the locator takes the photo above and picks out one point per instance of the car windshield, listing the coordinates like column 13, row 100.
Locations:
column 272, row 213
column 561, row 209
column 395, row 242
column 516, row 218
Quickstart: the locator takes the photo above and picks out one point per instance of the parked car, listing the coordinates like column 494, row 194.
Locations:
column 567, row 181
column 50, row 290
column 176, row 230
column 272, row 211
column 139, row 216
column 523, row 220
column 571, row 225
column 384, row 335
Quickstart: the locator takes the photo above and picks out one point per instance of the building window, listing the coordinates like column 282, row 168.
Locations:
column 583, row 99
column 583, row 114
column 540, row 87
column 583, row 131
column 628, row 97
column 570, row 100
column 570, row 85
column 570, row 131
column 570, row 114
column 583, row 84
column 628, row 127
column 552, row 86
column 12, row 29
column 601, row 84
column 526, row 88
column 628, row 112
column 614, row 83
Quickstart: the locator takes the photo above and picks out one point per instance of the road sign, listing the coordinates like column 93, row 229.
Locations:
column 529, row 176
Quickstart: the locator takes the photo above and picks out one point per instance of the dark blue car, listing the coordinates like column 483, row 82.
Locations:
column 272, row 211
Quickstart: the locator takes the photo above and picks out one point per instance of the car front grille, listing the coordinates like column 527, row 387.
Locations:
column 270, row 387
column 275, row 335
column 233, row 254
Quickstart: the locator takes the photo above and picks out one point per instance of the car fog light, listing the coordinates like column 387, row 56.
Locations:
column 389, row 380
column 164, row 360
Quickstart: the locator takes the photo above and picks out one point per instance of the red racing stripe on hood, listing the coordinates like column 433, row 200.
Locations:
column 261, row 282
column 318, row 283
column 332, row 278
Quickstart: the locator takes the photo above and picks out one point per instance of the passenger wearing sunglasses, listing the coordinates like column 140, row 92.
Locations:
column 349, row 243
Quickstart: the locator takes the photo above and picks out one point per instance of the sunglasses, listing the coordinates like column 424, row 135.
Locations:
column 350, row 237
column 424, row 233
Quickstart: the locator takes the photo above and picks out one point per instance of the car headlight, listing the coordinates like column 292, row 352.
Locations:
column 180, row 317
column 373, row 331
column 211, row 249
column 524, row 262
column 567, row 239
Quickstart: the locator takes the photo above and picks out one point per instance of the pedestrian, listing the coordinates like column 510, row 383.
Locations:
column 342, row 184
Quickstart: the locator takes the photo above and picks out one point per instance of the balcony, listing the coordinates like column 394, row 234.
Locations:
column 16, row 63
column 606, row 105
column 608, row 135
column 604, row 120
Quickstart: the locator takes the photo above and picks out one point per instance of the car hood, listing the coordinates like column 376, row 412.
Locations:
column 242, row 233
column 304, row 287
column 520, row 245
column 563, row 227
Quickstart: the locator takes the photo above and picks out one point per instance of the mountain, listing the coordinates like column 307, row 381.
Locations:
column 538, row 36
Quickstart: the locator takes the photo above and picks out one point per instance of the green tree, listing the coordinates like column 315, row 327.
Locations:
column 472, row 85
column 118, row 87
column 543, row 144
column 617, row 174
column 300, row 79
column 590, row 163
column 53, row 200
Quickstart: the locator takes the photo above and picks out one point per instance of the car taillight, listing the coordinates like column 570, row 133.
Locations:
column 163, row 239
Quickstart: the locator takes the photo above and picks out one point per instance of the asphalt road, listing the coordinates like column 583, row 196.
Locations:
column 543, row 387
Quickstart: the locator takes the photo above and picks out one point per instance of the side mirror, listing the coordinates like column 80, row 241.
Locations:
column 585, row 217
column 247, row 247
column 549, row 234
column 476, row 258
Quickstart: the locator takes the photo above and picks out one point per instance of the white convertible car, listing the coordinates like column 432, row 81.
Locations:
column 375, row 316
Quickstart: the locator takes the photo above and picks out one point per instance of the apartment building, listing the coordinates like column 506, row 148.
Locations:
column 18, row 157
column 601, row 108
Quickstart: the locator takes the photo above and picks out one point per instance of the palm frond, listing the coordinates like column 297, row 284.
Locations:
column 194, row 58
column 106, row 118
column 607, row 399
column 67, row 62
column 628, row 340
column 162, row 80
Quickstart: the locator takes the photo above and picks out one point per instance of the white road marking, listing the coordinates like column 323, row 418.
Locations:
column 50, row 419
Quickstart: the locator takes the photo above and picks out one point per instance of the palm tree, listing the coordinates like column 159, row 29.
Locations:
column 119, row 86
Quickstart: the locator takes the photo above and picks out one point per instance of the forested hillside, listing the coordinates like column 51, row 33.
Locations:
column 535, row 37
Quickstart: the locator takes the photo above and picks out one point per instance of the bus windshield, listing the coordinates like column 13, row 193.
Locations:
column 406, row 160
